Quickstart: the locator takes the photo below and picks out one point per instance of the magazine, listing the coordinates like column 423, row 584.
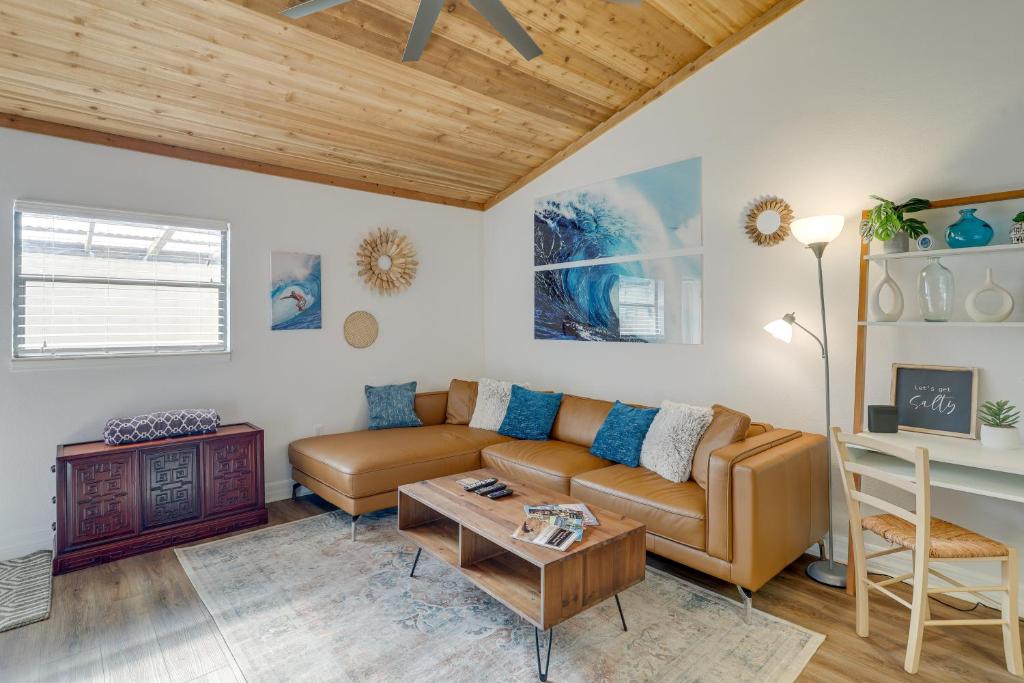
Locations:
column 588, row 517
column 542, row 533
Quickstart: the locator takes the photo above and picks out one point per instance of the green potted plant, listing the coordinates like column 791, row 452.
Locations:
column 888, row 223
column 1017, row 232
column 999, row 424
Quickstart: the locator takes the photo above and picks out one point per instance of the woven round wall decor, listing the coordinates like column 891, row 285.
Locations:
column 361, row 329
column 768, row 221
column 387, row 261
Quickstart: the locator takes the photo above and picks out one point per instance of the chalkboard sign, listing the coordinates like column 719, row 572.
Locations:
column 936, row 399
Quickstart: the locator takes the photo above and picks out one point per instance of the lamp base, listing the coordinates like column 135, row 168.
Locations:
column 829, row 573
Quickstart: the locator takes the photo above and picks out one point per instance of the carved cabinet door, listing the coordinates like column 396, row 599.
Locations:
column 170, row 485
column 99, row 499
column 232, row 480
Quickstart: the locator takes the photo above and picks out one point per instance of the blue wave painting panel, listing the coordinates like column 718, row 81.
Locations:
column 647, row 212
column 654, row 301
column 295, row 291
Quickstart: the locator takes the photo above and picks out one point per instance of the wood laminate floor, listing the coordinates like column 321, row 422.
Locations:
column 139, row 620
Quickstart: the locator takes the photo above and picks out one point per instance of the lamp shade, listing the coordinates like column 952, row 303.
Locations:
column 817, row 229
column 780, row 329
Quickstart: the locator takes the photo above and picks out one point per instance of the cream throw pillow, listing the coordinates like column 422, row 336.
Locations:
column 492, row 399
column 672, row 439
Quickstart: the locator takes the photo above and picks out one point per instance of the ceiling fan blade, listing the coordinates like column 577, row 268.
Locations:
column 496, row 13
column 627, row 2
column 304, row 9
column 421, row 29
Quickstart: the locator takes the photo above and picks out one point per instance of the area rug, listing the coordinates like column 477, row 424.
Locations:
column 303, row 602
column 25, row 584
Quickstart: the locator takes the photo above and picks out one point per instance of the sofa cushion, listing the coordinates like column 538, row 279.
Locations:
column 530, row 414
column 579, row 419
column 622, row 434
column 550, row 464
column 430, row 407
column 391, row 406
column 461, row 401
column 672, row 439
column 492, row 397
column 366, row 463
column 727, row 426
column 673, row 511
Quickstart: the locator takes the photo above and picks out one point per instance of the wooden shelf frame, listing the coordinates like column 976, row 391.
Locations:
column 865, row 258
column 950, row 473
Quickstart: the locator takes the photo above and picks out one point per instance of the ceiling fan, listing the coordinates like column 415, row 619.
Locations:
column 492, row 10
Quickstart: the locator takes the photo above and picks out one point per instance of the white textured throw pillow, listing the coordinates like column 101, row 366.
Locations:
column 672, row 439
column 492, row 397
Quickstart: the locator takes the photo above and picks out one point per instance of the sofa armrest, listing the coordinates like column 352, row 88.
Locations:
column 720, row 489
column 779, row 507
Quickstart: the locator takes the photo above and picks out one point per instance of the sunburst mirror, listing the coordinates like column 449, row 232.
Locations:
column 768, row 221
column 387, row 261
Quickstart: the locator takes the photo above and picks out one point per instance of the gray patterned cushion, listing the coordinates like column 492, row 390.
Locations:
column 162, row 425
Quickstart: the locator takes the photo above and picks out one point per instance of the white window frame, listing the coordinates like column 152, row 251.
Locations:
column 96, row 214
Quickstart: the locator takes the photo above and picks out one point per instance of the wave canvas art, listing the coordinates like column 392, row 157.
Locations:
column 648, row 212
column 295, row 291
column 621, row 260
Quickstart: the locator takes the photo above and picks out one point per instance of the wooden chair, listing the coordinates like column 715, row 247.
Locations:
column 938, row 541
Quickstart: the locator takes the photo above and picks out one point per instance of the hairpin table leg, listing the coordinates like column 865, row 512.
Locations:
column 621, row 615
column 415, row 561
column 543, row 673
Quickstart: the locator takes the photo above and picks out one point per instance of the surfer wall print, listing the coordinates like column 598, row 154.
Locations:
column 295, row 291
column 621, row 260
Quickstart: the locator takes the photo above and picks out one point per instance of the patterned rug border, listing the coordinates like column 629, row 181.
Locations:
column 26, row 559
column 791, row 673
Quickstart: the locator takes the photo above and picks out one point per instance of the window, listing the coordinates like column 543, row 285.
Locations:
column 641, row 307
column 95, row 283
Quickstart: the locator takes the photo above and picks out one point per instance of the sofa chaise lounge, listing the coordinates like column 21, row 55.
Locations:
column 755, row 502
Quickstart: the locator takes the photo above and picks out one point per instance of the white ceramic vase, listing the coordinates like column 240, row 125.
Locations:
column 879, row 314
column 1005, row 438
column 997, row 315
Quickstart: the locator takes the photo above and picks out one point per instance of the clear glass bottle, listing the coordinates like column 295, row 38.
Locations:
column 935, row 291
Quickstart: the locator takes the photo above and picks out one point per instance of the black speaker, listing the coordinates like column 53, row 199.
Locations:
column 882, row 419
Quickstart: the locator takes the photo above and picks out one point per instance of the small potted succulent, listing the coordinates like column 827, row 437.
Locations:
column 887, row 223
column 1017, row 231
column 999, row 424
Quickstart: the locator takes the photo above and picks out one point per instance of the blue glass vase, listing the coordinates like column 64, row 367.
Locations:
column 969, row 231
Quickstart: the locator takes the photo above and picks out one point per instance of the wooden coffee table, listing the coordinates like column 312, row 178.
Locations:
column 544, row 586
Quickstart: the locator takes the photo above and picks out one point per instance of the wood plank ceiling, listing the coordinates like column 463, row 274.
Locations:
column 327, row 98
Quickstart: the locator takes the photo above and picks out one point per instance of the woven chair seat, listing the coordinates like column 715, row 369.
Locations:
column 947, row 539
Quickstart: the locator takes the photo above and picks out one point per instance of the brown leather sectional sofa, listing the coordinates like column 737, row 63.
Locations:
column 755, row 502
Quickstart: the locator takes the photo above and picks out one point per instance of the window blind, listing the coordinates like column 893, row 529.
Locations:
column 92, row 282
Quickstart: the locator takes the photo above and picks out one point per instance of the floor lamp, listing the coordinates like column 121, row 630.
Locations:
column 817, row 232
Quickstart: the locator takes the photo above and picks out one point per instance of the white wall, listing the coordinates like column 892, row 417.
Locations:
column 835, row 101
column 285, row 382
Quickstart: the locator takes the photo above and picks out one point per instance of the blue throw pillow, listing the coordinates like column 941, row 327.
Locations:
column 530, row 414
column 622, row 434
column 392, row 406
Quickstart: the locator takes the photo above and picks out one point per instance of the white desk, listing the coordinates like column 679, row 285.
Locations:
column 957, row 464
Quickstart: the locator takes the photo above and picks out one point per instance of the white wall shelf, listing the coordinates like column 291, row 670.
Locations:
column 946, row 253
column 952, row 323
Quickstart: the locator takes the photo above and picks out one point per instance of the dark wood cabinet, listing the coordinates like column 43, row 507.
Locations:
column 116, row 501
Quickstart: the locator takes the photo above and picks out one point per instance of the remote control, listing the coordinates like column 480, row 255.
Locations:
column 483, row 483
column 490, row 489
column 495, row 495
